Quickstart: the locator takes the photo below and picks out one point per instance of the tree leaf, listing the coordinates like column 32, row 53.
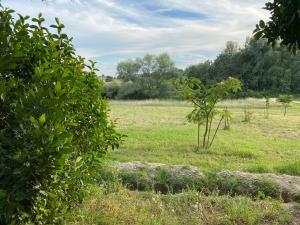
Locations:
column 57, row 88
column 262, row 24
column 42, row 119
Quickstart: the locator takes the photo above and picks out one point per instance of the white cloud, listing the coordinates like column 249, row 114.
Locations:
column 112, row 30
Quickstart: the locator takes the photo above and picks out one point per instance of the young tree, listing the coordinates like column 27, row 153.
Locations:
column 204, row 100
column 226, row 114
column 248, row 114
column 285, row 100
column 267, row 106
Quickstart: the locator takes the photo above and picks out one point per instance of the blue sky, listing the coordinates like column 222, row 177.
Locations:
column 109, row 31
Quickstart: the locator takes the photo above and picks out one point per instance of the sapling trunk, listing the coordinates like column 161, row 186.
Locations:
column 206, row 130
column 228, row 123
column 285, row 109
column 209, row 128
column 267, row 107
column 198, row 134
column 216, row 131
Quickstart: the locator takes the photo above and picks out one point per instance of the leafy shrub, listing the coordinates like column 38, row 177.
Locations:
column 53, row 122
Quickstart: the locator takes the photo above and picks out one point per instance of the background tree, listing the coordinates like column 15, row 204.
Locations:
column 262, row 70
column 128, row 70
column 202, row 71
column 147, row 77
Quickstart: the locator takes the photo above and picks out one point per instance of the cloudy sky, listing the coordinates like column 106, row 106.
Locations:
column 109, row 31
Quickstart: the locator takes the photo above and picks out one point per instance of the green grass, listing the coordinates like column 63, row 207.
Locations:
column 147, row 208
column 158, row 132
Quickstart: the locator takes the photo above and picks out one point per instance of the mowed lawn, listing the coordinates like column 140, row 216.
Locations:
column 157, row 131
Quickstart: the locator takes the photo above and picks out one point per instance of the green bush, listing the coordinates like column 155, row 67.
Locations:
column 53, row 122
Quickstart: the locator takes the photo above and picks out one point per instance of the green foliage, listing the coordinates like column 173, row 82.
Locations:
column 204, row 99
column 142, row 88
column 53, row 122
column 260, row 68
column 147, row 77
column 284, row 24
column 285, row 100
column 150, row 66
column 111, row 89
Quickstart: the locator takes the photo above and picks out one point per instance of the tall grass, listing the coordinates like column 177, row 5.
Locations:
column 127, row 207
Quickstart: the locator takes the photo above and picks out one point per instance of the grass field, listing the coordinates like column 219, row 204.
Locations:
column 159, row 132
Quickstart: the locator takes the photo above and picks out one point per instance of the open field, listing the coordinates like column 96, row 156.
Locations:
column 159, row 132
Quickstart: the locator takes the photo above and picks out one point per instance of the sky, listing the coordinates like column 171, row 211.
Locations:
column 110, row 31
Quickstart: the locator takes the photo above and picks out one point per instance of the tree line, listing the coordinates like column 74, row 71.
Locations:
column 264, row 70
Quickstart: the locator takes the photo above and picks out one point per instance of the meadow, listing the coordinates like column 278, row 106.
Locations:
column 158, row 131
